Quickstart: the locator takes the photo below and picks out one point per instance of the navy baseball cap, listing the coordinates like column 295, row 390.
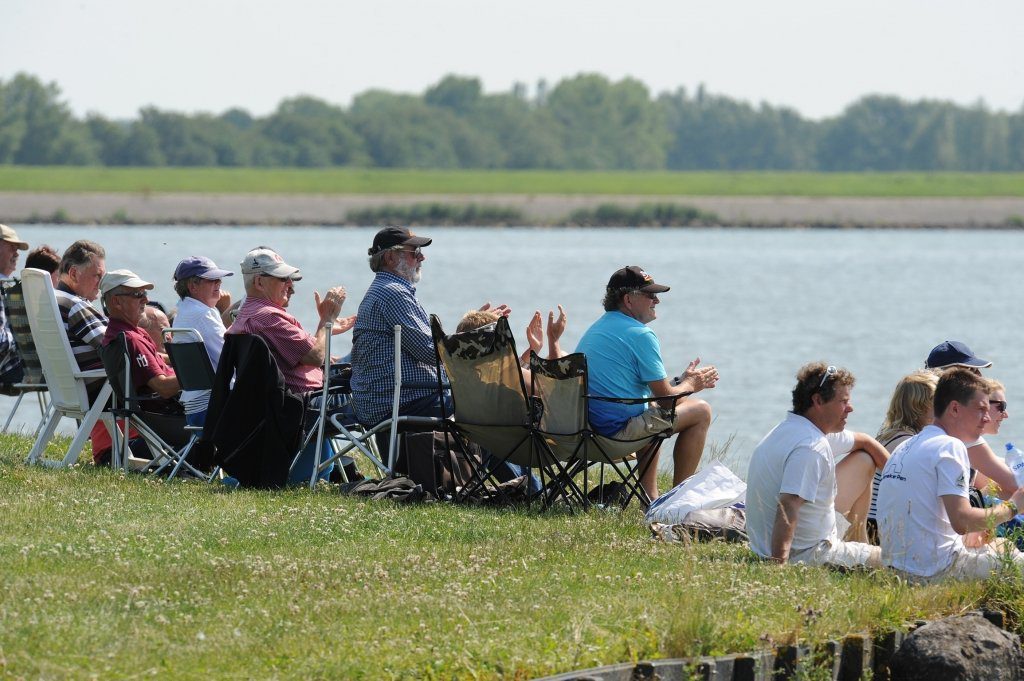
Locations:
column 199, row 266
column 954, row 353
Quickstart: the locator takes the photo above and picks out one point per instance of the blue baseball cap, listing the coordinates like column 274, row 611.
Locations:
column 199, row 266
column 954, row 353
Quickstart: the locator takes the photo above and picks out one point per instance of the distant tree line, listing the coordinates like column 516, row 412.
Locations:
column 583, row 123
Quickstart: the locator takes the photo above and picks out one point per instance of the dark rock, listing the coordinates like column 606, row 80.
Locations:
column 967, row 648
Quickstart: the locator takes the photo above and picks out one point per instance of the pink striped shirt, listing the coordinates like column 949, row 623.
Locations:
column 285, row 337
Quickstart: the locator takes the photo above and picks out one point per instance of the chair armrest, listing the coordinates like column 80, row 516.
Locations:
column 91, row 373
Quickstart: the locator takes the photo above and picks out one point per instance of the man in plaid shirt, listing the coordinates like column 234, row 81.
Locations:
column 396, row 256
column 11, row 369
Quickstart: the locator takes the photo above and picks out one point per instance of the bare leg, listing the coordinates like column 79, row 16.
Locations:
column 853, row 493
column 693, row 418
column 649, row 481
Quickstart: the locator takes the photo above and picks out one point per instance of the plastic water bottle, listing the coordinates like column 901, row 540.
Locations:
column 1015, row 460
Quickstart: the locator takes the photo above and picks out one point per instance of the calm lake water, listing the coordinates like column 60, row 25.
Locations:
column 756, row 303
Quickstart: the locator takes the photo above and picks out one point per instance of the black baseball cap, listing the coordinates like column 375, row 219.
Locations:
column 633, row 276
column 954, row 353
column 392, row 236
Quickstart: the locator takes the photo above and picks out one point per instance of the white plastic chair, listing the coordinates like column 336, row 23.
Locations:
column 65, row 381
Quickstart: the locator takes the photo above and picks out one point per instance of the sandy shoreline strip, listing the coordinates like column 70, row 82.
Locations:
column 317, row 209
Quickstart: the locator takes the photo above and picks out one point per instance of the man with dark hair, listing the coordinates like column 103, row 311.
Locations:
column 47, row 259
column 81, row 269
column 624, row 360
column 923, row 506
column 795, row 487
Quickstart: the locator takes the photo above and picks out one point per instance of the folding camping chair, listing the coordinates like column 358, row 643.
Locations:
column 253, row 420
column 494, row 410
column 164, row 434
column 353, row 435
column 66, row 383
column 191, row 362
column 33, row 381
column 561, row 385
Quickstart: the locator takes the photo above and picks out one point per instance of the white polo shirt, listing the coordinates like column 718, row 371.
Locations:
column 915, row 532
column 794, row 458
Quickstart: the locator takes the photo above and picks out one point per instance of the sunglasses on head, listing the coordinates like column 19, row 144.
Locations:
column 829, row 371
column 1000, row 405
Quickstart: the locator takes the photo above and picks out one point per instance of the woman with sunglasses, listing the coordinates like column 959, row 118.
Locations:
column 990, row 466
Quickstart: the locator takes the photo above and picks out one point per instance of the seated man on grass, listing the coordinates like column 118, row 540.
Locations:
column 269, row 287
column 795, row 487
column 923, row 506
column 125, row 297
column 624, row 360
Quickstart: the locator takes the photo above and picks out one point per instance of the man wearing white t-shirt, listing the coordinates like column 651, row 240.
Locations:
column 923, row 507
column 795, row 487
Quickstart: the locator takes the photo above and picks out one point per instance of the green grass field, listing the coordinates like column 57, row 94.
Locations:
column 111, row 576
column 355, row 181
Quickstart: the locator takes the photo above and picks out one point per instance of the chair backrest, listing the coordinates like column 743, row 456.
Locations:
column 561, row 386
column 483, row 371
column 14, row 305
column 189, row 358
column 51, row 342
column 118, row 367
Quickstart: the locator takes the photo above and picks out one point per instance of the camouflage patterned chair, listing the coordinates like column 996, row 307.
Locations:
column 494, row 410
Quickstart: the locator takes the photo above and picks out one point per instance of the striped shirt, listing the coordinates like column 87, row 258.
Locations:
column 287, row 340
column 9, row 357
column 85, row 327
column 390, row 301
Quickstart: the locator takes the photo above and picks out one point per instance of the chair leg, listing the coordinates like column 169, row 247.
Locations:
column 14, row 410
column 43, row 439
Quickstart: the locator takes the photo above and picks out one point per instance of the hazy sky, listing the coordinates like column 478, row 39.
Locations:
column 115, row 56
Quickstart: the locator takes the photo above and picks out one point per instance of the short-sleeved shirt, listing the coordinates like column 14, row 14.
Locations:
column 623, row 356
column 389, row 302
column 794, row 458
column 85, row 327
column 913, row 526
column 194, row 314
column 285, row 337
column 147, row 363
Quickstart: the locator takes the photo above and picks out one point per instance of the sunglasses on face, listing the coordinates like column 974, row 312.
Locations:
column 416, row 252
column 1000, row 405
column 138, row 295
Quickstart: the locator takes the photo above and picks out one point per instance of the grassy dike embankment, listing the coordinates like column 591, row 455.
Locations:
column 354, row 196
column 112, row 576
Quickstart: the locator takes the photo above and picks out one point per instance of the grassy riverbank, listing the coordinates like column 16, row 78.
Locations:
column 376, row 181
column 113, row 576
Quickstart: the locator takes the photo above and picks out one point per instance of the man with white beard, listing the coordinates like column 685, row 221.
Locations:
column 396, row 256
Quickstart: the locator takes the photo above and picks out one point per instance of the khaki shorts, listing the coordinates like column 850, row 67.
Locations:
column 644, row 425
column 839, row 553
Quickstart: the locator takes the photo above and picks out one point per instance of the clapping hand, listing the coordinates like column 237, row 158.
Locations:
column 556, row 327
column 502, row 310
column 696, row 379
column 535, row 333
column 343, row 324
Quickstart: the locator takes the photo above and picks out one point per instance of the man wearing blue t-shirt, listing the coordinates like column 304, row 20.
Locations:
column 624, row 360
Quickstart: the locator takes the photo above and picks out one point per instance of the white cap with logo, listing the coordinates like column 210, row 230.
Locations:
column 268, row 262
